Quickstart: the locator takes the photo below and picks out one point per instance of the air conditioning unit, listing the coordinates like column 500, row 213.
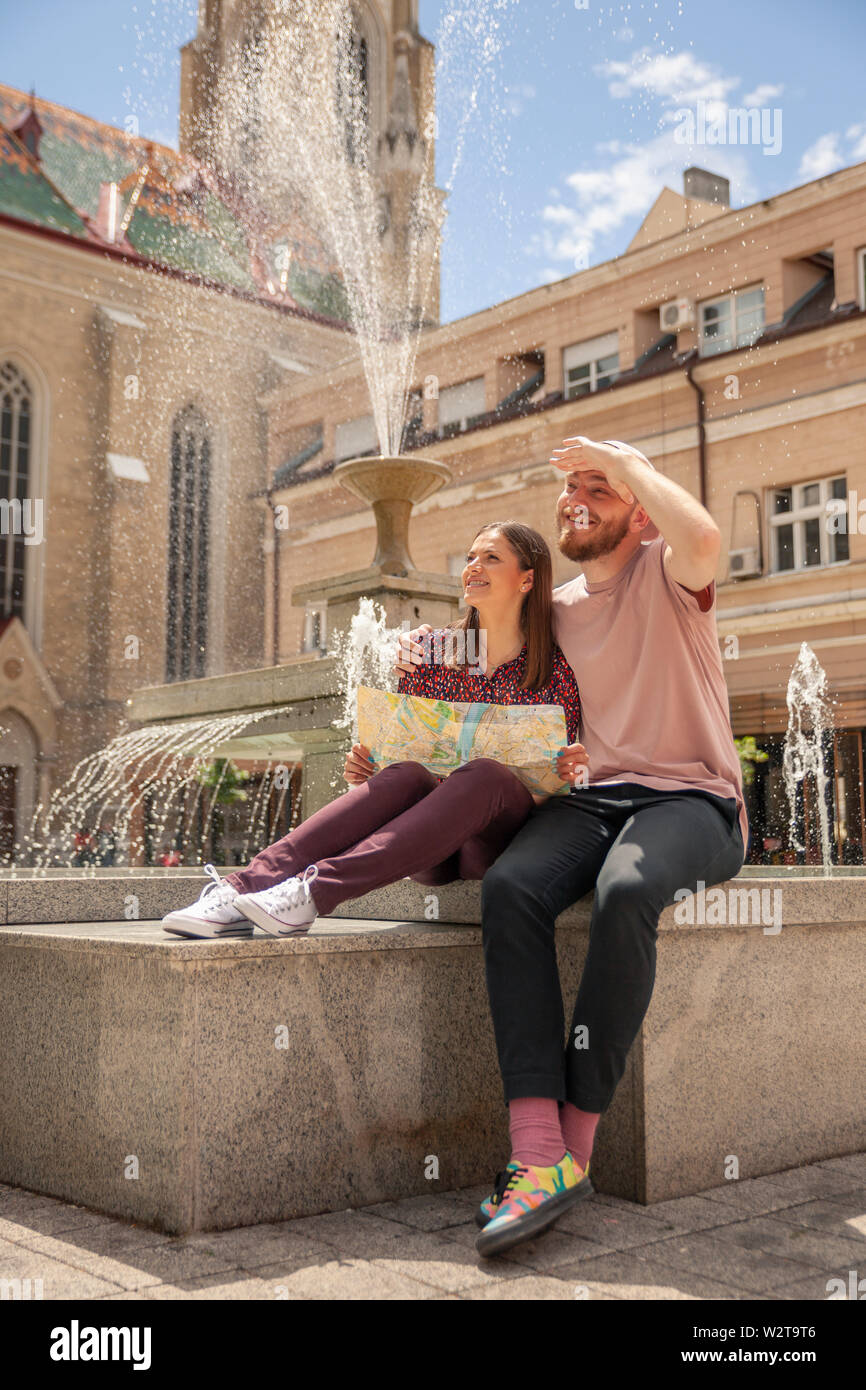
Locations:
column 677, row 314
column 744, row 564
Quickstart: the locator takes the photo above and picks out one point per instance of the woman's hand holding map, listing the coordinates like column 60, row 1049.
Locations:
column 358, row 765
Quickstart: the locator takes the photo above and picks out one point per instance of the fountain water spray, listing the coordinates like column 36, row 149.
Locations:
column 366, row 655
column 165, row 760
column 294, row 106
column 809, row 719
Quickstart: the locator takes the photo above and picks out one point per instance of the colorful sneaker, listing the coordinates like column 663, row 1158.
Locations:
column 490, row 1206
column 534, row 1198
column 287, row 909
column 214, row 916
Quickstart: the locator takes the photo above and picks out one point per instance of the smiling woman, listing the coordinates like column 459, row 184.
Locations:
column 508, row 584
column 401, row 821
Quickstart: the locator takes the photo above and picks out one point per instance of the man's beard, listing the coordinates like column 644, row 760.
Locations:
column 591, row 543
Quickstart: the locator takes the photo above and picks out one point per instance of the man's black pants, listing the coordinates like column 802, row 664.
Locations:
column 637, row 847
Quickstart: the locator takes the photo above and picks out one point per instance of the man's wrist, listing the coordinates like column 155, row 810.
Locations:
column 632, row 470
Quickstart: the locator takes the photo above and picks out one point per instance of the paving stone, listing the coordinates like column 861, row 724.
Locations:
column 250, row 1246
column 686, row 1214
column 449, row 1266
column 479, row 1193
column 23, row 1214
column 636, row 1276
column 848, row 1163
column 350, row 1232
column 776, row 1237
column 820, row 1249
column 855, row 1198
column 757, row 1196
column 136, row 1268
column 613, row 1228
column 347, row 1279
column 237, row 1285
column 551, row 1249
column 814, row 1286
column 537, row 1287
column 58, row 1280
column 746, row 1271
column 815, row 1181
column 844, row 1215
column 110, row 1238
column 425, row 1213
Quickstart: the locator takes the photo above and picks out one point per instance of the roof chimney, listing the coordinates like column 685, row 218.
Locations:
column 107, row 220
column 710, row 188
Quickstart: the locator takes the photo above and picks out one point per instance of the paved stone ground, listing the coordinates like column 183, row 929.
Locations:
column 771, row 1238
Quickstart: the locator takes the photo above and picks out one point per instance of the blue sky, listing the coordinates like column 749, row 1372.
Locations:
column 578, row 110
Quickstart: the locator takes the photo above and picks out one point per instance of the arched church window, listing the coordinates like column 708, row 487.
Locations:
column 16, row 520
column 253, row 65
column 188, row 545
column 353, row 93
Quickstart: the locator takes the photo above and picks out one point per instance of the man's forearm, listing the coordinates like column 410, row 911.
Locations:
column 686, row 526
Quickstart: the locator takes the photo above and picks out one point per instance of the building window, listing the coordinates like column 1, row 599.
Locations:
column 253, row 66
column 16, row 423
column 188, row 544
column 590, row 365
column 356, row 438
column 315, row 631
column 802, row 532
column 460, row 406
column 353, row 94
column 413, row 428
column 731, row 321
column 861, row 275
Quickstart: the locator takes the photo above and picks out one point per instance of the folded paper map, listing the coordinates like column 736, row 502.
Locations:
column 442, row 735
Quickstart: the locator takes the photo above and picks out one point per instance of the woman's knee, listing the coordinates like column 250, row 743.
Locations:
column 409, row 774
column 488, row 772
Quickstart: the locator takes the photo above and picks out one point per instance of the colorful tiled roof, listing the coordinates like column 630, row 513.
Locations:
column 173, row 211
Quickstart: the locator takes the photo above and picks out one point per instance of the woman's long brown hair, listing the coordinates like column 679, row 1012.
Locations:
column 536, row 614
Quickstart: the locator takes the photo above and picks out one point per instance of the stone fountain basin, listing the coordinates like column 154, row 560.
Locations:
column 403, row 479
column 133, row 1042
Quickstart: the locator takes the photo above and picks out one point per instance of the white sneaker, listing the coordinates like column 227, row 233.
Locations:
column 214, row 914
column 287, row 909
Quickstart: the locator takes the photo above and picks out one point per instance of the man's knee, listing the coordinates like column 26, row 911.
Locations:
column 624, row 894
column 506, row 884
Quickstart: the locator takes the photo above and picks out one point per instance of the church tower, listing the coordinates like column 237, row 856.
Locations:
column 246, row 51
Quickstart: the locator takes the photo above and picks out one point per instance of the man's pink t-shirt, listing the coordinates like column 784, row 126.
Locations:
column 654, row 705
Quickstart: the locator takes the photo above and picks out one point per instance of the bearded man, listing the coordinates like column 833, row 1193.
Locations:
column 656, row 805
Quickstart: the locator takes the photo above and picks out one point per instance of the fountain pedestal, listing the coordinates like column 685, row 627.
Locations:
column 391, row 486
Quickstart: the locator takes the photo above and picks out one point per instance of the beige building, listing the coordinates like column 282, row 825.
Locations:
column 175, row 362
column 727, row 344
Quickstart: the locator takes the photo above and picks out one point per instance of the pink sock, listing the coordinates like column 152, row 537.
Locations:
column 536, row 1136
column 578, row 1131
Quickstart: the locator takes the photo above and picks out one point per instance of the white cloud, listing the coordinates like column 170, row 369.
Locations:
column 859, row 150
column 517, row 96
column 763, row 93
column 622, row 179
column 825, row 154
column 610, row 196
column 678, row 77
column 822, row 157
